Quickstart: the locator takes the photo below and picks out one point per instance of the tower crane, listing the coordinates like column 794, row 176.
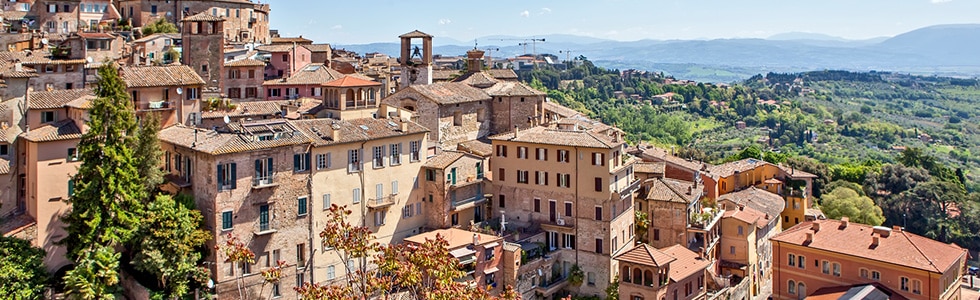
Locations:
column 524, row 42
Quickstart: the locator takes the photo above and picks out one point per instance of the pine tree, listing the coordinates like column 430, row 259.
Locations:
column 108, row 196
column 148, row 153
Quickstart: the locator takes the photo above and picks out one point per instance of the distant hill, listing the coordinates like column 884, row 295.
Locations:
column 949, row 50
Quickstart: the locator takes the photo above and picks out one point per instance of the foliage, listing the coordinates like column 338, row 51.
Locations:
column 95, row 276
column 576, row 276
column 217, row 104
column 424, row 271
column 148, row 152
column 642, row 224
column 237, row 253
column 159, row 26
column 106, row 203
column 167, row 245
column 814, row 167
column 846, row 202
column 22, row 273
column 612, row 291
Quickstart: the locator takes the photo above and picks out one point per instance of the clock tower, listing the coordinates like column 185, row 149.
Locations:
column 416, row 60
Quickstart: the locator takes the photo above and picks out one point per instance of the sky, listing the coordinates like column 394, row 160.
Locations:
column 360, row 22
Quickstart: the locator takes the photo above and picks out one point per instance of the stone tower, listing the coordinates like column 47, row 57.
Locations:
column 204, row 41
column 416, row 62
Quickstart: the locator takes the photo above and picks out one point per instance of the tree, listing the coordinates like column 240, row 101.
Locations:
column 148, row 152
column 612, row 291
column 237, row 253
column 846, row 202
column 22, row 273
column 160, row 26
column 814, row 167
column 95, row 276
column 167, row 245
column 107, row 201
column 642, row 224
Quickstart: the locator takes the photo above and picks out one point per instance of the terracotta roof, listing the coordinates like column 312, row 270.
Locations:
column 355, row 130
column 899, row 247
column 564, row 112
column 673, row 190
column 318, row 47
column 444, row 75
column 758, row 199
column 476, row 79
column 502, row 74
column 35, row 60
column 513, row 89
column 748, row 215
column 311, row 74
column 478, row 147
column 659, row 154
column 85, row 102
column 351, row 81
column 649, row 167
column 298, row 40
column 688, row 262
column 57, row 131
column 96, row 35
column 456, row 237
column 275, row 48
column 729, row 169
column 237, row 140
column 794, row 173
column 156, row 36
column 155, row 76
column 55, row 99
column 443, row 160
column 553, row 136
column 4, row 166
column 449, row 92
column 203, row 17
column 247, row 109
column 415, row 34
column 248, row 62
column 644, row 254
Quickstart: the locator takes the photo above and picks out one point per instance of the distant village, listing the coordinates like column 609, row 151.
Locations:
column 266, row 132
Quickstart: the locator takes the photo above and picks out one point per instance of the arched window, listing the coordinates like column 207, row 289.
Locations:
column 864, row 273
column 637, row 276
column 371, row 94
column 625, row 275
column 648, row 278
column 791, row 288
column 800, row 290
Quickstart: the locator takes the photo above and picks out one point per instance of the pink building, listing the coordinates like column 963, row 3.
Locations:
column 285, row 60
column 305, row 83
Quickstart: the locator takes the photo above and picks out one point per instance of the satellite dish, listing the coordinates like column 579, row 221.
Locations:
column 44, row 41
column 210, row 283
column 227, row 120
column 180, row 91
column 89, row 59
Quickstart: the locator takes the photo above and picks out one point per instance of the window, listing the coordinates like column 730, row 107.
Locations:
column 488, row 254
column 598, row 246
column 905, row 283
column 741, row 230
column 826, row 267
column 301, row 257
column 274, row 92
column 301, row 206
column 568, row 209
column 275, row 290
column 326, row 201
column 591, row 278
column 227, row 176
column 354, row 160
column 792, row 260
column 598, row 184
column 5, row 150
column 52, row 8
column 917, row 287
column 47, row 116
column 501, row 174
column 598, row 159
column 522, row 152
column 192, row 93
column 451, row 176
column 226, row 220
column 501, row 150
column 563, row 156
column 875, row 275
column 801, row 262
column 455, row 219
column 731, row 250
column 263, row 171
column 395, row 154
column 322, row 161
column 414, row 148
column 598, row 213
column 430, row 175
column 378, row 158
column 457, row 118
column 568, row 241
column 564, row 180
column 537, row 205
column 521, row 176
column 379, row 218
column 394, row 187
column 864, row 273
column 541, row 154
column 234, row 93
column 501, row 201
column 72, row 153
column 301, row 162
column 264, row 217
column 331, row 272
column 791, row 288
column 656, row 234
column 836, row 269
column 204, row 68
column 479, row 170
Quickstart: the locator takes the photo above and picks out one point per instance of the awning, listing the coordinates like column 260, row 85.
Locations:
column 490, row 270
column 491, row 245
column 461, row 252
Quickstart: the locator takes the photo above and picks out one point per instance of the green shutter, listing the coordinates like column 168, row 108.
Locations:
column 71, row 187
column 234, row 176
column 221, row 176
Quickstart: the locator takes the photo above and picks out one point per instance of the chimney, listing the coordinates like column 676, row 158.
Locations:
column 844, row 221
column 809, row 237
column 897, row 229
column 404, row 126
column 335, row 132
column 816, row 227
column 689, row 190
column 516, row 131
column 741, row 207
column 476, row 239
column 874, row 241
column 474, row 60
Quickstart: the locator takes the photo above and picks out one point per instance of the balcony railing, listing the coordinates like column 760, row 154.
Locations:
column 157, row 105
column 263, row 182
column 629, row 189
column 551, row 286
column 706, row 219
column 380, row 203
column 475, row 200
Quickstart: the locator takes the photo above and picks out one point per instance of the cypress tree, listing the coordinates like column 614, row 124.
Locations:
column 148, row 153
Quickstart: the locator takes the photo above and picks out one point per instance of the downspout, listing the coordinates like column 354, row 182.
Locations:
column 363, row 204
column 578, row 205
column 310, row 214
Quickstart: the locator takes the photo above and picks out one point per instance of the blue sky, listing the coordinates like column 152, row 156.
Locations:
column 352, row 21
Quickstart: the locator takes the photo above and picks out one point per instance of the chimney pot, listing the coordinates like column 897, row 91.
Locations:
column 874, row 241
column 816, row 227
column 404, row 126
column 809, row 237
column 897, row 228
column 844, row 221
column 476, row 239
column 516, row 131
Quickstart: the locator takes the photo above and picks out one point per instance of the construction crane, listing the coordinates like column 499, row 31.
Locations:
column 524, row 42
column 490, row 55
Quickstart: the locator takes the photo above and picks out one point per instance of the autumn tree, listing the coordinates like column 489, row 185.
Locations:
column 168, row 246
column 107, row 201
column 22, row 273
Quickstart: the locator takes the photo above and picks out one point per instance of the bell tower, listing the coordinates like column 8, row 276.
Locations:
column 416, row 61
column 204, row 43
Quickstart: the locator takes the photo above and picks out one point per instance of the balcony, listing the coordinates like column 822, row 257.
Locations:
column 263, row 182
column 628, row 190
column 706, row 220
column 559, row 222
column 381, row 203
column 551, row 286
column 470, row 202
column 157, row 106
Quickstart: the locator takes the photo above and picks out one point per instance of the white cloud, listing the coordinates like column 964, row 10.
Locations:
column 337, row 27
column 445, row 21
column 525, row 14
column 940, row 1
column 544, row 11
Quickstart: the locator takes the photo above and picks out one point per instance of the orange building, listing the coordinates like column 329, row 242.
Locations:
column 674, row 273
column 827, row 254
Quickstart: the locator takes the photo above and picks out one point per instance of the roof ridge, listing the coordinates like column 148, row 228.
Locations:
column 904, row 234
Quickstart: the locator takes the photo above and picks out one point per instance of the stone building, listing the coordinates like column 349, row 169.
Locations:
column 286, row 60
column 203, row 49
column 746, row 252
column 172, row 91
column 350, row 97
column 455, row 189
column 678, row 216
column 155, row 47
column 574, row 181
column 646, row 273
column 320, row 53
column 246, row 21
column 243, row 80
column 54, row 73
column 306, row 82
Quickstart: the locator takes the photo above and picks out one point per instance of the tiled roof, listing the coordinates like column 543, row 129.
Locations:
column 450, row 92
column 298, row 40
column 748, row 215
column 455, row 236
column 57, row 131
column 478, row 147
column 248, row 62
column 203, row 17
column 318, row 47
column 247, row 109
column 443, row 160
column 659, row 154
column 649, row 167
column 794, row 173
column 355, row 130
column 688, row 262
column 275, row 48
column 55, row 99
column 415, row 34
column 644, row 254
column 35, row 60
column 85, row 102
column 899, row 247
column 673, row 190
column 4, row 166
column 156, row 36
column 513, row 89
column 552, row 136
column 476, row 79
column 502, row 74
column 758, row 199
column 444, row 75
column 351, row 81
column 239, row 140
column 560, row 110
column 311, row 74
column 96, row 35
column 155, row 76
column 729, row 169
